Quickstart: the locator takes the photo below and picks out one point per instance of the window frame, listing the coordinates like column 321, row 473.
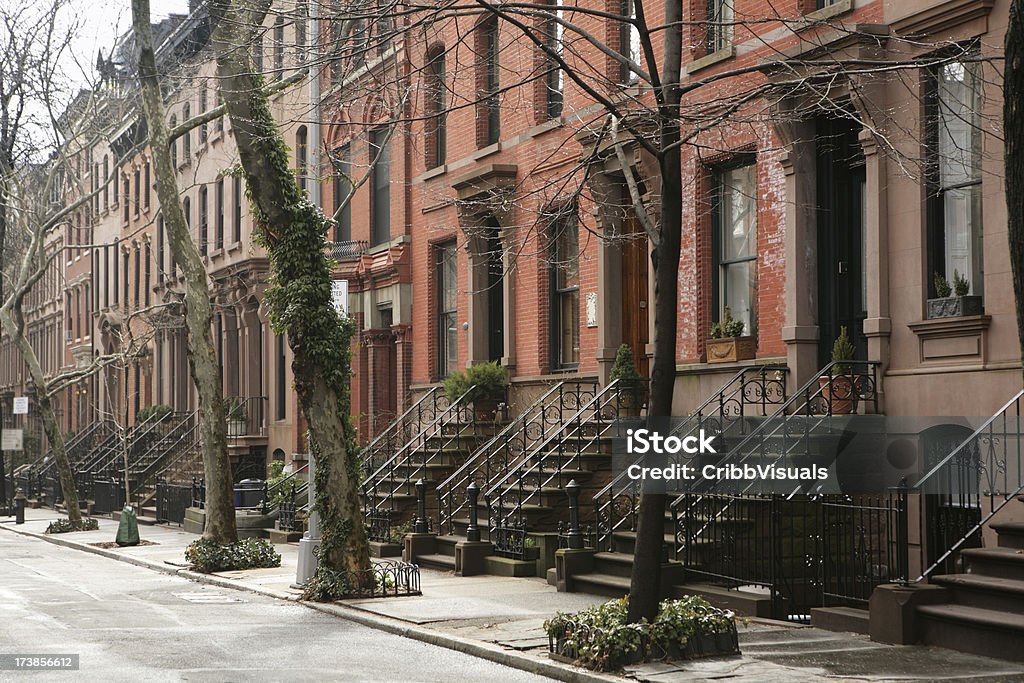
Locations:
column 720, row 265
column 558, row 293
column 447, row 359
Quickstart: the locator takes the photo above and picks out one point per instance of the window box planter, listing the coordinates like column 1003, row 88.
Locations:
column 236, row 427
column 731, row 349
column 840, row 392
column 954, row 307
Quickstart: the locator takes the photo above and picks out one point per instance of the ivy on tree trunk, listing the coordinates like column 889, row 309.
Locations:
column 293, row 231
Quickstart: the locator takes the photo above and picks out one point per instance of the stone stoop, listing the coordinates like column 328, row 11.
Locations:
column 842, row 619
column 980, row 611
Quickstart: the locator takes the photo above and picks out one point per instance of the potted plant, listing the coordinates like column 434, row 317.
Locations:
column 839, row 387
column 952, row 301
column 631, row 396
column 237, row 415
column 727, row 343
column 485, row 383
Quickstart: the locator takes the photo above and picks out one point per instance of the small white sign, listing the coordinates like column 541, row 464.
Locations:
column 12, row 440
column 21, row 405
column 592, row 309
column 339, row 294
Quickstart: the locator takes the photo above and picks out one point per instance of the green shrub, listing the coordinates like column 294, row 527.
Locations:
column 249, row 553
column 599, row 637
column 942, row 288
column 842, row 350
column 156, row 413
column 486, row 380
column 961, row 285
column 235, row 409
column 63, row 526
column 624, row 367
column 727, row 327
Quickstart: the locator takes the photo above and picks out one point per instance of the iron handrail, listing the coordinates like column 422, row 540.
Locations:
column 381, row 439
column 462, row 476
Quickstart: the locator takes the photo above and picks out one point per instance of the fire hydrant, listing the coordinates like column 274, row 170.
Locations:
column 19, row 507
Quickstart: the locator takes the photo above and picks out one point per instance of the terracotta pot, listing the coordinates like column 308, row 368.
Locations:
column 841, row 393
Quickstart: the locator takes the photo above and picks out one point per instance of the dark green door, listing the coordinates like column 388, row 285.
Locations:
column 841, row 254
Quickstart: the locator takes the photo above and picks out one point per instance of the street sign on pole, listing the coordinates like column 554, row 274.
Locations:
column 339, row 295
column 20, row 405
column 12, row 440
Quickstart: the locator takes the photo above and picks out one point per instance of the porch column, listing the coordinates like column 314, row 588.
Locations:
column 878, row 324
column 403, row 362
column 800, row 333
column 507, row 240
column 380, row 346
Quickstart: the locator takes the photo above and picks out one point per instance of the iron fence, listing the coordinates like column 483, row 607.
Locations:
column 108, row 495
column 171, row 502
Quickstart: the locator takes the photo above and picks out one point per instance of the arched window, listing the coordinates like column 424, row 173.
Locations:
column 186, row 139
column 302, row 154
column 436, row 142
column 174, row 145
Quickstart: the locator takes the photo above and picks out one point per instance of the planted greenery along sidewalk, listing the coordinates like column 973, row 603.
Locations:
column 207, row 556
column 63, row 526
column 599, row 637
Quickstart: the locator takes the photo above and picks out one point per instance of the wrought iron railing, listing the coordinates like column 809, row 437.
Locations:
column 171, row 501
column 420, row 414
column 556, row 460
column 108, row 494
column 752, row 392
column 245, row 416
column 78, row 449
column 137, row 439
column 955, row 499
column 450, row 433
column 507, row 448
column 178, row 446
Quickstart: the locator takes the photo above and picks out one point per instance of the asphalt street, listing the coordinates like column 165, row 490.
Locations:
column 128, row 623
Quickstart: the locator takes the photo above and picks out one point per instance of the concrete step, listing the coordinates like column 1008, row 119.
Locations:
column 842, row 619
column 601, row 584
column 1011, row 534
column 436, row 561
column 986, row 592
column 613, row 564
column 1006, row 563
column 747, row 602
column 992, row 633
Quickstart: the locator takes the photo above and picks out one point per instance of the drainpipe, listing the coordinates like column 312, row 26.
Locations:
column 310, row 540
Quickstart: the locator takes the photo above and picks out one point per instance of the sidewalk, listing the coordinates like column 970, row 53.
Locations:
column 500, row 619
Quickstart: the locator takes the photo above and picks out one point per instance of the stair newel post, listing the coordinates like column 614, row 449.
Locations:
column 420, row 525
column 574, row 537
column 473, row 529
column 902, row 532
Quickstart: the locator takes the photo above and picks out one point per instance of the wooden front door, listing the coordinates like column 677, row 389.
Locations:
column 635, row 305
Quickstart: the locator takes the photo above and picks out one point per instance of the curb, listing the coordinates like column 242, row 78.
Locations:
column 474, row 648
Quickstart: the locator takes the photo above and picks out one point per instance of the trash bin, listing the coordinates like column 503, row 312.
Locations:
column 249, row 493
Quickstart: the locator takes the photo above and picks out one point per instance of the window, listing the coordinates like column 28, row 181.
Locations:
column 380, row 186
column 219, row 125
column 127, row 191
column 437, row 143
column 300, row 30
column 279, row 45
column 114, row 187
column 174, row 145
column 488, row 84
column 555, row 78
column 219, row 239
column 342, row 188
column 126, row 281
column 734, row 222
column 629, row 42
column 106, row 183
column 447, row 310
column 719, row 29
column 137, row 279
column 186, row 138
column 115, row 270
column 565, row 293
column 337, row 40
column 138, row 191
column 301, row 154
column 148, row 270
column 282, row 383
column 148, row 185
column 160, row 248
column 204, row 130
column 237, row 192
column 955, row 227
column 186, row 207
column 203, row 211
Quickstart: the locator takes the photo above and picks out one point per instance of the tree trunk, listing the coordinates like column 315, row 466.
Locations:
column 293, row 230
column 645, row 581
column 1013, row 131
column 14, row 327
column 220, row 511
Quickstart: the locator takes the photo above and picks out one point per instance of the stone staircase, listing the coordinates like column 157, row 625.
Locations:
column 985, row 612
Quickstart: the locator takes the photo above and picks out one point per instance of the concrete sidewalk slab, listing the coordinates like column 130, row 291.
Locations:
column 501, row 619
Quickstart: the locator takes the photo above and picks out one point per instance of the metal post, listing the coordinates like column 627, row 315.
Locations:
column 903, row 532
column 574, row 537
column 19, row 508
column 473, row 530
column 420, row 525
